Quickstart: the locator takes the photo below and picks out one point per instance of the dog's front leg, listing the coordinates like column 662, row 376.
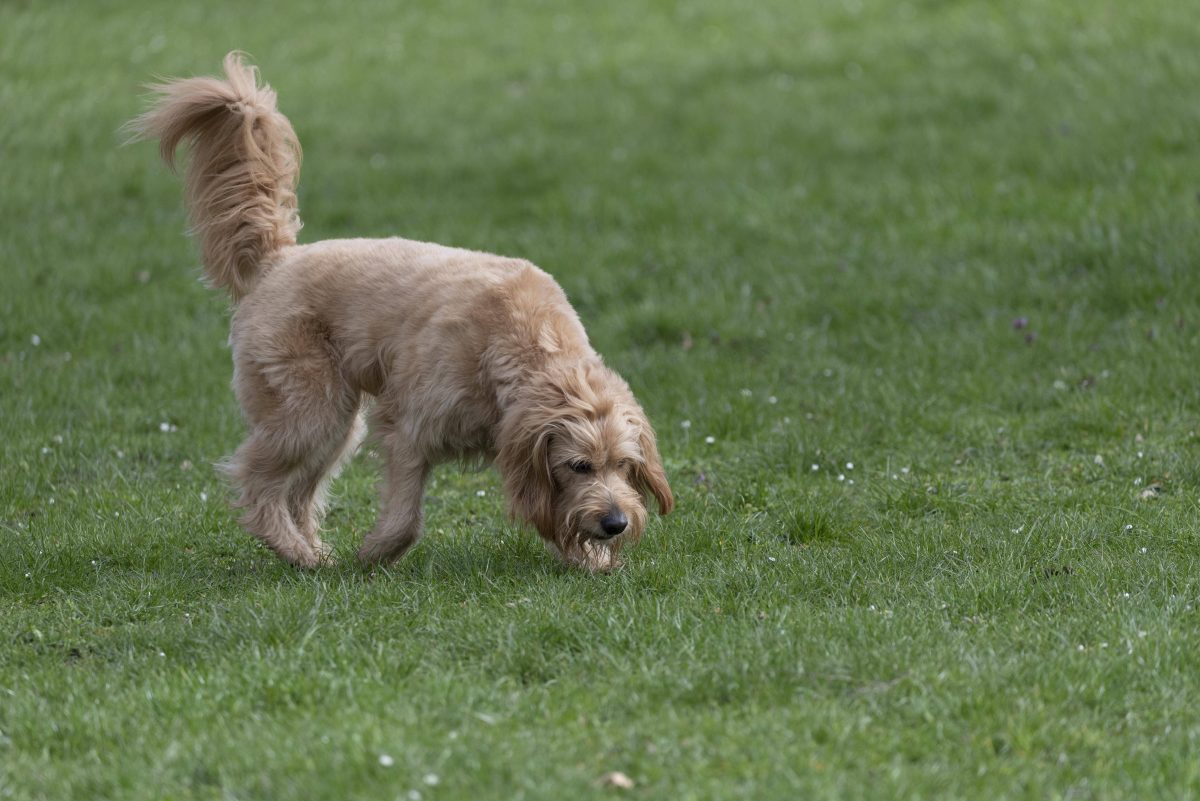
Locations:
column 401, row 517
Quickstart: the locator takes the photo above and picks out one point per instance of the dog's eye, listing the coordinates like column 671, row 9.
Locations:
column 622, row 464
column 581, row 467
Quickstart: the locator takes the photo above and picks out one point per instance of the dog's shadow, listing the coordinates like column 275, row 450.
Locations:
column 230, row 569
column 436, row 560
column 151, row 601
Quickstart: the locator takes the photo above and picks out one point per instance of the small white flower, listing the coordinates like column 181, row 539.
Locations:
column 29, row 575
column 480, row 493
column 1141, row 454
column 431, row 779
column 57, row 439
column 1103, row 645
column 770, row 558
column 386, row 760
column 116, row 514
column 710, row 440
column 1141, row 635
column 1144, row 550
column 1099, row 460
column 772, row 400
column 686, row 424
column 851, row 481
column 414, row 795
column 816, row 467
column 1137, row 482
column 849, row 465
column 120, row 454
column 1080, row 647
column 841, row 476
column 204, row 497
column 746, row 393
column 904, row 470
column 45, row 450
column 1129, row 527
column 35, row 340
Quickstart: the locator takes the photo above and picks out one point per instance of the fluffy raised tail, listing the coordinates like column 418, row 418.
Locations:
column 240, row 182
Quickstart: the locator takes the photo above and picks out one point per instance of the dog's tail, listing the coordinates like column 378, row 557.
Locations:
column 240, row 184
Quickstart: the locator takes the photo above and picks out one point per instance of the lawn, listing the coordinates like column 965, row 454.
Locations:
column 909, row 290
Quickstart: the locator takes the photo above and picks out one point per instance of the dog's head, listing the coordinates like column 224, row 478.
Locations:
column 579, row 461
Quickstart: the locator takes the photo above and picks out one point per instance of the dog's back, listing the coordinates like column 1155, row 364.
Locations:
column 400, row 314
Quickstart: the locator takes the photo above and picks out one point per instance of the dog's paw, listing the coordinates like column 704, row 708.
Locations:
column 310, row 556
column 593, row 556
column 308, row 561
column 323, row 551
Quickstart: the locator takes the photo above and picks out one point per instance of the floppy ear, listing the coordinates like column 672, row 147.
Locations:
column 524, row 462
column 648, row 474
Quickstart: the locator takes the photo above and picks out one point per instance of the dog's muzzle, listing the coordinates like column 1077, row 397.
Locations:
column 613, row 524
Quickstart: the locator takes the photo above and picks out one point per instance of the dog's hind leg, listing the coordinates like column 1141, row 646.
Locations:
column 262, row 469
column 401, row 516
column 302, row 416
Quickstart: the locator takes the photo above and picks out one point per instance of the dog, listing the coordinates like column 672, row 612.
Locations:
column 453, row 354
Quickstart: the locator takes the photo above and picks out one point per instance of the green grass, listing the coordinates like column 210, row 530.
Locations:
column 803, row 229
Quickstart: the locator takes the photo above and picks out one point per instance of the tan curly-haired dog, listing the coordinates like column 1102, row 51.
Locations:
column 466, row 354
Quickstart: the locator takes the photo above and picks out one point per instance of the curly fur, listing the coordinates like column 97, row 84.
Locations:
column 458, row 355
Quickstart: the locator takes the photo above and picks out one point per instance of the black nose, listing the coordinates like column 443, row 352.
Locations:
column 614, row 523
